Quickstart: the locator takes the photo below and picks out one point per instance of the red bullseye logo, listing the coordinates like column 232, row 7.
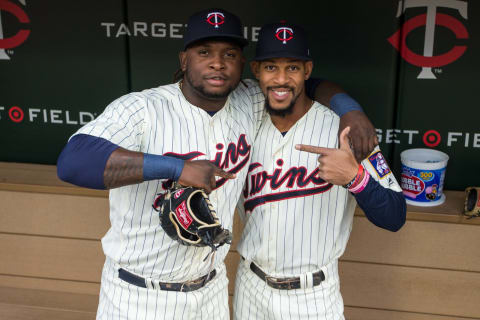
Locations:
column 16, row 114
column 216, row 18
column 432, row 138
column 21, row 35
column 284, row 34
column 430, row 20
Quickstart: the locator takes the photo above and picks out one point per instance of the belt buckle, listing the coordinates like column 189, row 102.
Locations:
column 276, row 282
column 187, row 284
column 271, row 281
column 202, row 281
column 182, row 286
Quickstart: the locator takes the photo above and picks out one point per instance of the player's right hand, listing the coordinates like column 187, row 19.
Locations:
column 201, row 174
column 336, row 166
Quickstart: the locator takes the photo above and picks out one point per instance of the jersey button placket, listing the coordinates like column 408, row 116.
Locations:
column 211, row 137
column 272, row 235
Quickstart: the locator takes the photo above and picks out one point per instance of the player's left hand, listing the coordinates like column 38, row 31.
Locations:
column 336, row 166
column 362, row 133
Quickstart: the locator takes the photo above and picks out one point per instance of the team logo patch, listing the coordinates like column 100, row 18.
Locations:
column 216, row 18
column 182, row 215
column 379, row 164
column 284, row 34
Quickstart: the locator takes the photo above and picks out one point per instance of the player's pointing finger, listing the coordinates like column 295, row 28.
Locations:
column 312, row 149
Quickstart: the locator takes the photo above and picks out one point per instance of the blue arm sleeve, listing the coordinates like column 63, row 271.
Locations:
column 340, row 103
column 384, row 207
column 83, row 161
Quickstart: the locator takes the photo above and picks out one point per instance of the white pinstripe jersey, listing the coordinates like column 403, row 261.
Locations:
column 297, row 222
column 162, row 121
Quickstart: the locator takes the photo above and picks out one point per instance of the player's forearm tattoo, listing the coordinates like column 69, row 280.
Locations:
column 123, row 168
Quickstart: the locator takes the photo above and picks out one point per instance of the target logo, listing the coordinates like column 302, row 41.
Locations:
column 16, row 114
column 216, row 18
column 430, row 20
column 432, row 138
column 21, row 36
column 45, row 115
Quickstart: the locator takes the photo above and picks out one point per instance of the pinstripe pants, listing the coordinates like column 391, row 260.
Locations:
column 121, row 300
column 254, row 299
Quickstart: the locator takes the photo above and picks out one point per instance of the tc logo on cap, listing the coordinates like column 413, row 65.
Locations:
column 216, row 18
column 284, row 34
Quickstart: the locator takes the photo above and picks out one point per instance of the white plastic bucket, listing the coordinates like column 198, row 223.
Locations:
column 423, row 174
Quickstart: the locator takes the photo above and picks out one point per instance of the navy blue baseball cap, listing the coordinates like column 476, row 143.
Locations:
column 214, row 23
column 282, row 40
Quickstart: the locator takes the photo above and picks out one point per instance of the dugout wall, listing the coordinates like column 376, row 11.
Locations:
column 411, row 64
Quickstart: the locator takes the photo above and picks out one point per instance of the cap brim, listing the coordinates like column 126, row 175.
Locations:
column 242, row 42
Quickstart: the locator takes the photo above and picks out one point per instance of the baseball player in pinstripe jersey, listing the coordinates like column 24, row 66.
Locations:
column 299, row 205
column 199, row 132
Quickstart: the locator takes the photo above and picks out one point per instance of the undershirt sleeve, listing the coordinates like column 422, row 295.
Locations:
column 382, row 200
column 82, row 161
column 384, row 207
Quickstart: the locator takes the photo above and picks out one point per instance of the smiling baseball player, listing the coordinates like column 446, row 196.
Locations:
column 198, row 132
column 299, row 210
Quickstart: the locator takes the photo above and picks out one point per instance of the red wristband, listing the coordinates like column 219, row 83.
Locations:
column 360, row 186
column 356, row 179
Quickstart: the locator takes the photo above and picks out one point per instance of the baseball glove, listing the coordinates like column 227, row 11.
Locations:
column 188, row 217
column 472, row 202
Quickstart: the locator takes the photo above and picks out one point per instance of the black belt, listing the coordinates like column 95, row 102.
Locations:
column 168, row 286
column 285, row 283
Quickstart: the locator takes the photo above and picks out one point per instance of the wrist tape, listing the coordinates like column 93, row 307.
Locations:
column 161, row 167
column 342, row 103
